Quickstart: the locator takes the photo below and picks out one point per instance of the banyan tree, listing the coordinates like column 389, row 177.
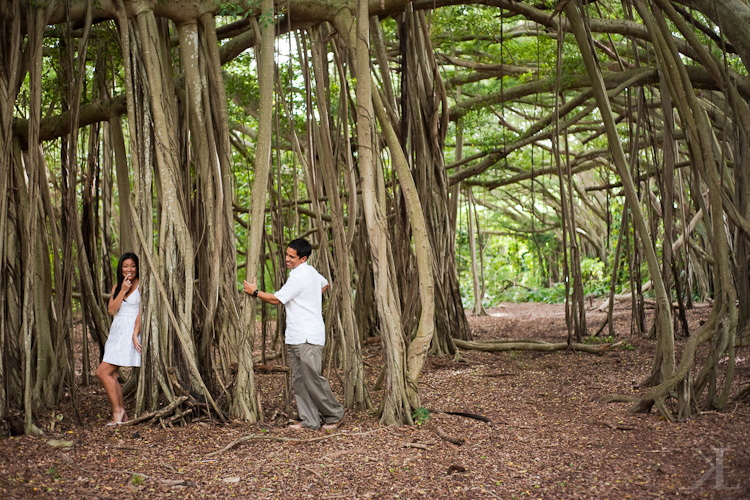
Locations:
column 203, row 135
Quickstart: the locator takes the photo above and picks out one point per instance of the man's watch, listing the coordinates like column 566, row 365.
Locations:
column 255, row 293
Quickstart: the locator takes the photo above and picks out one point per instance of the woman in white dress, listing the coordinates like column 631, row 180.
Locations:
column 123, row 347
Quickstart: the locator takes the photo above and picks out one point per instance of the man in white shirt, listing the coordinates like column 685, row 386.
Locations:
column 302, row 296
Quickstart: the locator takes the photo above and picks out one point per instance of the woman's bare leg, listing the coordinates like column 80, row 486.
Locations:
column 108, row 373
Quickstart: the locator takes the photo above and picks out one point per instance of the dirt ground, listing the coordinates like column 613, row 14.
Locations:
column 549, row 435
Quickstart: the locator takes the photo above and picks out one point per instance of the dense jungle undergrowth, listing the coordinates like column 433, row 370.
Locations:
column 545, row 432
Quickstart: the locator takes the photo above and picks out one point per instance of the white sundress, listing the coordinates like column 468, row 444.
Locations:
column 119, row 349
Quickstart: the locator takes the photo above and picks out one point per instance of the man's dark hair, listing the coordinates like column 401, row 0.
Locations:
column 301, row 246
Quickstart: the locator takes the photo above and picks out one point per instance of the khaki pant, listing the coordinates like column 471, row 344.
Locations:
column 311, row 389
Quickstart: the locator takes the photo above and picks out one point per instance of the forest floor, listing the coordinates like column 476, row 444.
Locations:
column 549, row 435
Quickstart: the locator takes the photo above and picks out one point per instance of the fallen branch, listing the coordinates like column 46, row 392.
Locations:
column 622, row 297
column 529, row 346
column 310, row 469
column 417, row 445
column 251, row 437
column 648, row 302
column 440, row 432
column 158, row 413
column 270, row 368
column 171, row 420
column 193, row 397
column 620, row 427
column 511, row 341
column 462, row 414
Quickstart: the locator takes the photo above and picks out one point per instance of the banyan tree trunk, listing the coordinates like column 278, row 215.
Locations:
column 395, row 408
column 424, row 125
column 10, row 44
column 420, row 342
column 355, row 390
column 244, row 403
column 28, row 220
column 172, row 355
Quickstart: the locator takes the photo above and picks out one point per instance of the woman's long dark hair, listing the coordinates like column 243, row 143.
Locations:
column 120, row 277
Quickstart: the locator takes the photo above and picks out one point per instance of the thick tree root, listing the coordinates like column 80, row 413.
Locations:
column 619, row 398
column 531, row 345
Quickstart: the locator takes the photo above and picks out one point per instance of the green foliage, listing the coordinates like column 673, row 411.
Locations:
column 420, row 415
column 626, row 346
column 592, row 269
column 233, row 8
column 266, row 19
column 550, row 295
column 595, row 282
column 136, row 480
column 514, row 264
column 52, row 471
column 242, row 85
column 595, row 340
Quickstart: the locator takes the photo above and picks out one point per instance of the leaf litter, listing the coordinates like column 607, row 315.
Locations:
column 548, row 435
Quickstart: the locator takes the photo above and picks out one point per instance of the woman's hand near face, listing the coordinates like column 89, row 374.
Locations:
column 127, row 283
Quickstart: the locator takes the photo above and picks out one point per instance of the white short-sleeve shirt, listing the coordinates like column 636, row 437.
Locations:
column 303, row 299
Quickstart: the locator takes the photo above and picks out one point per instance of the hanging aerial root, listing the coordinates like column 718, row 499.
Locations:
column 657, row 395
